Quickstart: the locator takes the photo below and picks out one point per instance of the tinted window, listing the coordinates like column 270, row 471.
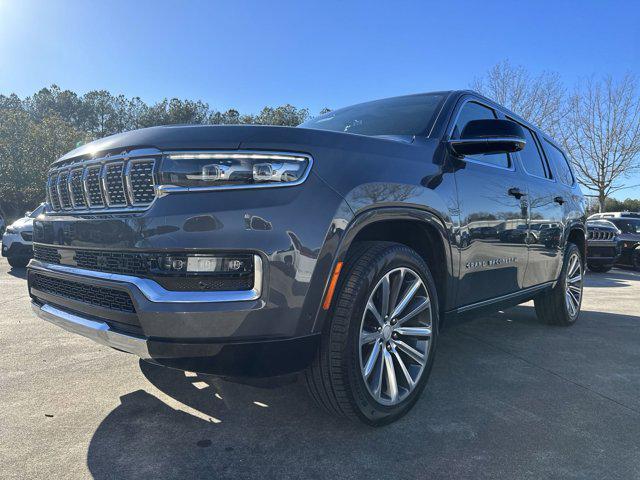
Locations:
column 410, row 115
column 562, row 166
column 475, row 111
column 530, row 155
column 627, row 225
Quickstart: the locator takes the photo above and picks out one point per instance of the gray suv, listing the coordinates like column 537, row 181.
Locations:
column 340, row 248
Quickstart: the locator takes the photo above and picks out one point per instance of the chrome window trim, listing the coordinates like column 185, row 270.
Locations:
column 511, row 167
column 155, row 293
column 541, row 154
column 163, row 190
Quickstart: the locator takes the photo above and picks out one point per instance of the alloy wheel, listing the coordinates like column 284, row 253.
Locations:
column 395, row 336
column 573, row 285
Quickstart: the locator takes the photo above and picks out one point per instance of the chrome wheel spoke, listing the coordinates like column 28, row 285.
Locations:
column 412, row 352
column 424, row 332
column 372, row 308
column 371, row 362
column 392, row 383
column 368, row 337
column 576, row 279
column 421, row 307
column 408, row 296
column 403, row 368
column 386, row 293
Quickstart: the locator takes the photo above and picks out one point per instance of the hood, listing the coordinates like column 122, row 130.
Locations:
column 629, row 237
column 226, row 137
column 23, row 224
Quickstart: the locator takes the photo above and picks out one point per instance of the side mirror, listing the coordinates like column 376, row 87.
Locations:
column 489, row 136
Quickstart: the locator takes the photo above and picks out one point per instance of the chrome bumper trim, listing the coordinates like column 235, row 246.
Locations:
column 158, row 294
column 97, row 331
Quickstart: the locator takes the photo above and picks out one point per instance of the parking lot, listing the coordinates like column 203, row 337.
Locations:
column 508, row 398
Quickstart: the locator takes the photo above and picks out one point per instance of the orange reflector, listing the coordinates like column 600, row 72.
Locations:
column 332, row 286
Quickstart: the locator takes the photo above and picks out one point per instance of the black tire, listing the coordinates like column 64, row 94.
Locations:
column 635, row 259
column 551, row 306
column 599, row 268
column 18, row 262
column 335, row 379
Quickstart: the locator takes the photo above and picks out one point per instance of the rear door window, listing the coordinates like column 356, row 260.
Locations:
column 560, row 162
column 532, row 159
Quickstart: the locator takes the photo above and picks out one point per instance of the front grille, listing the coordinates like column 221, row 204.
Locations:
column 104, row 297
column 117, row 182
column 112, row 262
column 46, row 254
column 600, row 235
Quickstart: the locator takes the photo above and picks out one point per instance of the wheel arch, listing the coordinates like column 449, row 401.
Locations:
column 422, row 230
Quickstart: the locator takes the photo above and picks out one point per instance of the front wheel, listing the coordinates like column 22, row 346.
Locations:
column 377, row 349
column 18, row 262
column 561, row 305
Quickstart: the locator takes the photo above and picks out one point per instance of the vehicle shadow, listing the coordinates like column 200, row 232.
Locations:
column 18, row 272
column 613, row 278
column 493, row 379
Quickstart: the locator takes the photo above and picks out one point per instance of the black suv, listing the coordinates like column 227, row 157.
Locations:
column 340, row 248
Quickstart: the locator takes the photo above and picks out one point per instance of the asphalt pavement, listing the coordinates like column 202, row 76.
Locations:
column 508, row 398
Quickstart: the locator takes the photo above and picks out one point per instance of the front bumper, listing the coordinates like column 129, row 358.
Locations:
column 255, row 359
column 13, row 245
column 603, row 253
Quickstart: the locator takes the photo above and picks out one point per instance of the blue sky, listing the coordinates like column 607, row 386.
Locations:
column 312, row 54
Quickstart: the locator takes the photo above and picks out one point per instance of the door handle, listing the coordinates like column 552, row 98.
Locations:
column 559, row 200
column 516, row 192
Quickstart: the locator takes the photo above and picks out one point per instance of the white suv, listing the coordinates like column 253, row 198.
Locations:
column 17, row 240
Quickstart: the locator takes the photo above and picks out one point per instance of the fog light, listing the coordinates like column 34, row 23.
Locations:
column 217, row 264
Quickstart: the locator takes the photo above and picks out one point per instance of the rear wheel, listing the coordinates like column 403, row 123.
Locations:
column 377, row 350
column 561, row 305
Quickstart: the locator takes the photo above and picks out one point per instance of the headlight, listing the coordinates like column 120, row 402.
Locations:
column 223, row 170
column 11, row 230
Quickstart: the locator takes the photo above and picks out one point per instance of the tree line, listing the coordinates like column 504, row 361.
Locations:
column 36, row 130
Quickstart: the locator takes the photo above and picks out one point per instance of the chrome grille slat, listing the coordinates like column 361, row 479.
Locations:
column 113, row 184
column 92, row 186
column 76, row 189
column 119, row 182
column 62, row 186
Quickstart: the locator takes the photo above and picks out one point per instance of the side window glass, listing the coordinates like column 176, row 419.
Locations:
column 531, row 157
column 560, row 162
column 475, row 111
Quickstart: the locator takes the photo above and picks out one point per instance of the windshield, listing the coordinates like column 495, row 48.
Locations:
column 410, row 115
column 37, row 211
column 627, row 225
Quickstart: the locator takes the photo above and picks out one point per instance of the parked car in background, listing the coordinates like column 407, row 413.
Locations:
column 603, row 245
column 17, row 240
column 629, row 225
column 339, row 248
